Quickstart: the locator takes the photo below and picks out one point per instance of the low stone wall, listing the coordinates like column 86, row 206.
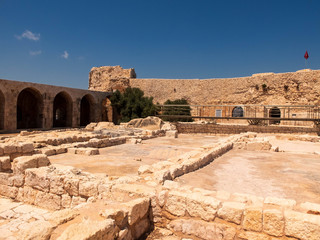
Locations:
column 16, row 149
column 237, row 129
column 220, row 215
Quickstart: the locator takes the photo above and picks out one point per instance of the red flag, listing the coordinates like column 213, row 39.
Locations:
column 306, row 56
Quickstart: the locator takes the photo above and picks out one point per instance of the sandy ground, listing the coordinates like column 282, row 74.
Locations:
column 294, row 174
column 121, row 160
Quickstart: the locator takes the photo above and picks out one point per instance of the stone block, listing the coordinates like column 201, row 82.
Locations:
column 176, row 171
column 48, row 151
column 26, row 147
column 301, row 225
column 29, row 194
column 72, row 150
column 36, row 230
column 71, row 185
column 145, row 169
column 92, row 151
column 37, row 178
column 118, row 215
column 88, row 188
column 285, row 203
column 8, row 191
column 5, row 164
column 273, row 222
column 231, row 211
column 42, row 160
column 203, row 230
column 20, row 164
column 202, row 206
column 5, row 178
column 141, row 227
column 137, row 209
column 1, row 150
column 9, row 148
column 18, row 180
column 62, row 216
column 176, row 203
column 252, row 219
column 60, row 150
column 89, row 229
column 172, row 134
column 65, row 201
column 76, row 201
column 57, row 184
column 48, row 201
column 246, row 235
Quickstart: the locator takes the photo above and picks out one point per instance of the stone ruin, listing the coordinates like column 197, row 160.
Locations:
column 52, row 201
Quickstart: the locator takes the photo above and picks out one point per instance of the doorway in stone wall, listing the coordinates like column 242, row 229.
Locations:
column 237, row 112
column 29, row 109
column 274, row 113
column 86, row 110
column 62, row 110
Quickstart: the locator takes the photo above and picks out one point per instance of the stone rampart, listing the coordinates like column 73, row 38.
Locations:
column 293, row 88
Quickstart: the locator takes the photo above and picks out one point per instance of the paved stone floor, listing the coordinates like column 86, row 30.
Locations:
column 16, row 217
column 294, row 173
column 125, row 159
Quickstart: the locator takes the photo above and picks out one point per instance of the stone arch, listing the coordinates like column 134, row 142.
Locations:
column 107, row 110
column 86, row 110
column 29, row 109
column 237, row 112
column 2, row 104
column 62, row 110
column 274, row 113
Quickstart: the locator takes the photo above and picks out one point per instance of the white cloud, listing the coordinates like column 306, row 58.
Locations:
column 34, row 53
column 65, row 55
column 29, row 35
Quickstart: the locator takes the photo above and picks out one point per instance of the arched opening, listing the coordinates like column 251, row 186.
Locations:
column 237, row 112
column 86, row 110
column 274, row 113
column 62, row 110
column 2, row 102
column 107, row 110
column 29, row 109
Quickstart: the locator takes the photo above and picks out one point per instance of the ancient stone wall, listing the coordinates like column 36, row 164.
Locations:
column 26, row 105
column 114, row 78
column 237, row 129
column 301, row 87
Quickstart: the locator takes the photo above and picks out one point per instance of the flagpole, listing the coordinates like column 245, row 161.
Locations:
column 306, row 63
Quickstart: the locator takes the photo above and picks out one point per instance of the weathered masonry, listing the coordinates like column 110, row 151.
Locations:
column 26, row 105
column 292, row 88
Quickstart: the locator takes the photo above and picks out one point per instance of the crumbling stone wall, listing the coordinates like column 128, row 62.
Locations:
column 301, row 87
column 113, row 78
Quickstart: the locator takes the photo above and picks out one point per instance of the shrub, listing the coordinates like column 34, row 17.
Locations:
column 177, row 110
column 132, row 104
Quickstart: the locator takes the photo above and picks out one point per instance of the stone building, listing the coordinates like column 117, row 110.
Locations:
column 26, row 105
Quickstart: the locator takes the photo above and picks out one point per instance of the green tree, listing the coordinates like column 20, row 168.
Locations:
column 132, row 104
column 177, row 110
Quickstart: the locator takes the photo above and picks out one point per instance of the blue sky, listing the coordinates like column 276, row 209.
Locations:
column 58, row 42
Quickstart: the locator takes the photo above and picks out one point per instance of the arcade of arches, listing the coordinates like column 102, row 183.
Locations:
column 30, row 106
